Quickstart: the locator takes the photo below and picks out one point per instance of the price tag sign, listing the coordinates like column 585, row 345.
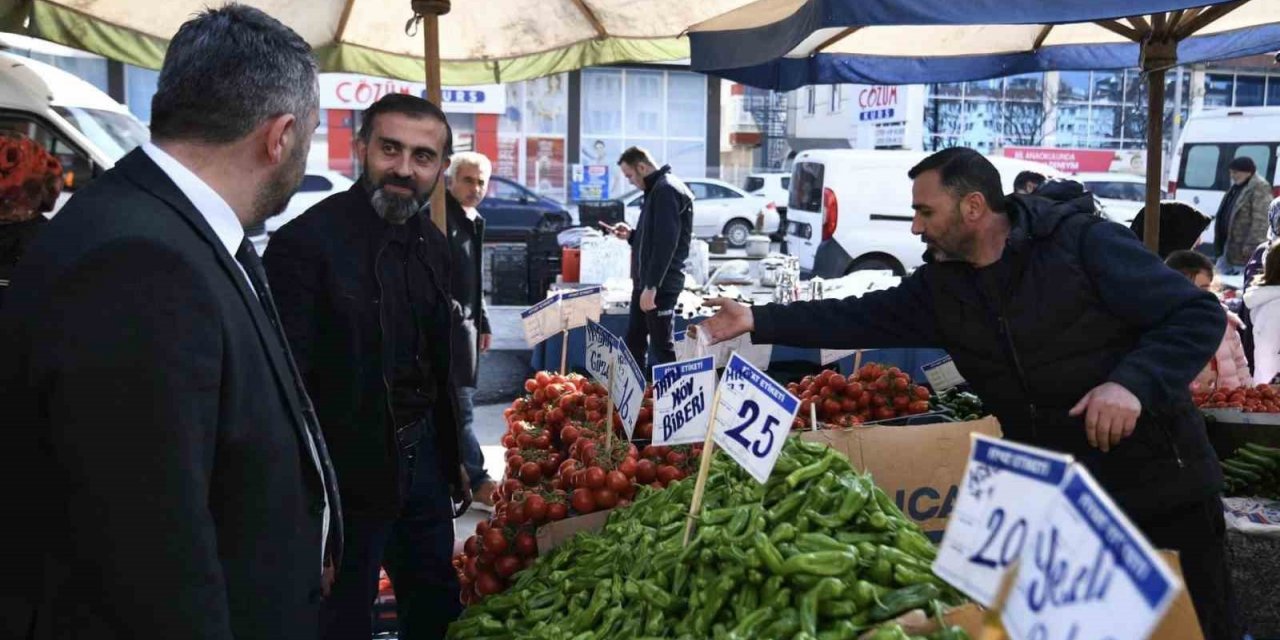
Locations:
column 628, row 388
column 1087, row 572
column 942, row 374
column 541, row 321
column 682, row 394
column 582, row 305
column 753, row 418
column 601, row 350
column 1003, row 496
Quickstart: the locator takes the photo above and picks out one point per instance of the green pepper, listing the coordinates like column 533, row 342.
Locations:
column 823, row 563
column 954, row 632
column 716, row 598
column 881, row 571
column 810, row 471
column 851, row 537
column 784, row 626
column 546, row 611
column 772, row 585
column 837, row 608
column 898, row 556
column 916, row 544
column 783, row 510
column 820, row 542
column 902, row 600
column 812, row 448
column 749, row 624
column 769, row 554
column 841, row 630
column 809, row 612
column 905, row 576
column 783, row 533
column 654, row 625
column 890, row 632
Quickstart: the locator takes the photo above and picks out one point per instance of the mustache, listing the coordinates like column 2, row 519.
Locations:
column 397, row 181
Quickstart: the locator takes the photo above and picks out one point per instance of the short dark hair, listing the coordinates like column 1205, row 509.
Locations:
column 1270, row 266
column 963, row 171
column 1028, row 176
column 1189, row 263
column 227, row 71
column 408, row 105
column 1243, row 163
column 634, row 156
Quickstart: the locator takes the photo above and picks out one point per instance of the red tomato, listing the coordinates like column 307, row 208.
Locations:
column 524, row 440
column 471, row 546
column 676, row 458
column 848, row 406
column 531, row 473
column 569, row 435
column 516, row 513
column 628, row 467
column 557, row 511
column 605, row 498
column 836, row 384
column 617, row 481
column 921, row 393
column 595, row 478
column 644, row 430
column 482, row 527
column 488, row 584
column 829, row 408
column 495, row 542
column 646, row 471
column 543, row 378
column 582, row 501
column 526, row 544
column 507, row 566
column 509, row 441
column 668, row 474
column 535, row 508
column 885, row 413
column 530, row 385
column 470, row 568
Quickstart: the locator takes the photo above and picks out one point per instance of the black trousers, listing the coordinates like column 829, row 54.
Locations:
column 652, row 332
column 1198, row 532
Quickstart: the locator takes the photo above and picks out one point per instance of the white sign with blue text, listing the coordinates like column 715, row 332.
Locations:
column 541, row 321
column 1003, row 496
column 682, row 394
column 577, row 307
column 627, row 393
column 753, row 418
column 1087, row 572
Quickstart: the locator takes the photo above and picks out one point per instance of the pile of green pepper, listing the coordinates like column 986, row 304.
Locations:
column 817, row 553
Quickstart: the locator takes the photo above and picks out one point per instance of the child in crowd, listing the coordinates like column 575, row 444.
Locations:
column 1262, row 300
column 1228, row 369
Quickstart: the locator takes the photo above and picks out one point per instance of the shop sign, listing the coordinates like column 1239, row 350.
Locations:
column 356, row 91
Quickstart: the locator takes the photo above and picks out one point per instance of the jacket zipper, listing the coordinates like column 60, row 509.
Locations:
column 1173, row 444
column 1017, row 366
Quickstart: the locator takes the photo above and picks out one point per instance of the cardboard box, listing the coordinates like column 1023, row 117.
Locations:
column 920, row 466
column 555, row 534
column 1180, row 622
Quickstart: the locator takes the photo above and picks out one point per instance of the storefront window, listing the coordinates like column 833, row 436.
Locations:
column 1107, row 86
column 532, row 134
column 644, row 103
column 1073, row 86
column 1023, row 123
column 1028, row 87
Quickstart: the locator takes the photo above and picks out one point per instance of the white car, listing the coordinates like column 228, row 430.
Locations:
column 719, row 208
column 1120, row 195
column 316, row 186
column 773, row 186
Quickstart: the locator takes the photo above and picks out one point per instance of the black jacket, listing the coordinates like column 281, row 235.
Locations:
column 1074, row 302
column 155, row 476
column 469, row 315
column 15, row 237
column 660, row 243
column 321, row 268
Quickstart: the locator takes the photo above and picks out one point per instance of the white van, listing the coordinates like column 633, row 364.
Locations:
column 850, row 209
column 1211, row 139
column 79, row 124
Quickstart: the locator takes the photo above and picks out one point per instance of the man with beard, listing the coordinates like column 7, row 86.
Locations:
column 165, row 476
column 1075, row 336
column 362, row 279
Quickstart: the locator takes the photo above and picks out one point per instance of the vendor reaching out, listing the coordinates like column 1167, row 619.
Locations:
column 1075, row 336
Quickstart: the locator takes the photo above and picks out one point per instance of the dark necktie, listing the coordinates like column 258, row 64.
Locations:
column 248, row 258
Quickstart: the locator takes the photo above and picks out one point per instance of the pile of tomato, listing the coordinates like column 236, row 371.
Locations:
column 1262, row 398
column 873, row 392
column 561, row 462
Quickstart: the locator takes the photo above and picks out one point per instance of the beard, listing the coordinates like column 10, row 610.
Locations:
column 274, row 195
column 395, row 208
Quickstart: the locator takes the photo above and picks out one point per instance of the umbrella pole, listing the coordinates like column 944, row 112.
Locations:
column 1155, row 153
column 431, row 10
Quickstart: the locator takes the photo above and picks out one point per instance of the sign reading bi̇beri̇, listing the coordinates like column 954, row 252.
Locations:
column 682, row 394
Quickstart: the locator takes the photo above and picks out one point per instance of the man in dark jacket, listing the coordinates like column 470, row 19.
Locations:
column 1075, row 336
column 362, row 280
column 659, row 247
column 469, row 181
column 162, row 475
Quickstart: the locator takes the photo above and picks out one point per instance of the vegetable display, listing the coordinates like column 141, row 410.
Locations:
column 962, row 405
column 818, row 552
column 1253, row 470
column 1260, row 399
column 871, row 393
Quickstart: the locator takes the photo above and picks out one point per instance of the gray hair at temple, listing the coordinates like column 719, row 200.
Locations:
column 227, row 71
column 470, row 159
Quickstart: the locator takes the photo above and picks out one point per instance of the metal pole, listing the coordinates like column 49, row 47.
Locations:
column 1155, row 154
column 1177, row 113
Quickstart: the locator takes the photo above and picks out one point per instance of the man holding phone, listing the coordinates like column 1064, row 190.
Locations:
column 659, row 246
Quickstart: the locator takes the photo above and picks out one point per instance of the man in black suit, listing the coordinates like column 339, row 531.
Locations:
column 363, row 283
column 164, row 474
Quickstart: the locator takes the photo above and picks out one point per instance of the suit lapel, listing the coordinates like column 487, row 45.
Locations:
column 139, row 169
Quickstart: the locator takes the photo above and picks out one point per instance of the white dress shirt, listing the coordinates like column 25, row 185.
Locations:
column 222, row 218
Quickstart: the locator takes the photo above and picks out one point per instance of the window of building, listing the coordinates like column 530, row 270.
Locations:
column 835, row 105
column 1217, row 89
column 1251, row 91
column 532, row 133
column 811, row 104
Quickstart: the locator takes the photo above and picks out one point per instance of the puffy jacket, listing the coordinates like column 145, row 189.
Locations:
column 1229, row 368
column 1264, row 308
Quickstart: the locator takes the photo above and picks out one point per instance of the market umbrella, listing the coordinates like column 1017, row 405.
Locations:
column 784, row 44
column 473, row 42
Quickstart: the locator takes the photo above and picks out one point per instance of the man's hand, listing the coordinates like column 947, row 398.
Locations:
column 462, row 495
column 327, row 576
column 648, row 300
column 484, row 493
column 486, row 339
column 622, row 230
column 1111, row 413
column 731, row 320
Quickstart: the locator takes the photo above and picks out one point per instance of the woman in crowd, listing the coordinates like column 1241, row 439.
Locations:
column 1263, row 301
column 30, row 181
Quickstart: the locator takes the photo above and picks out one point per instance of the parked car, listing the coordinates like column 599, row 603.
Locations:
column 719, row 208
column 80, row 125
column 1120, row 196
column 850, row 209
column 316, row 186
column 1210, row 140
column 773, row 186
column 511, row 212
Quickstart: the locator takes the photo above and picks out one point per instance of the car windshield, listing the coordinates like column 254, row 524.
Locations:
column 114, row 133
